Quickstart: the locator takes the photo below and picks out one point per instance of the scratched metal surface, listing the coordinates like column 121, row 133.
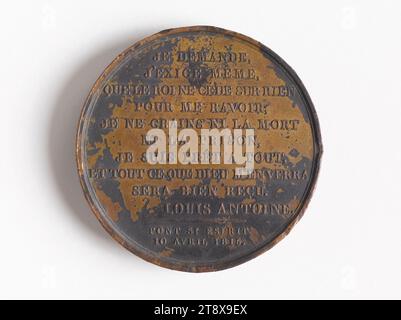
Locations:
column 209, row 229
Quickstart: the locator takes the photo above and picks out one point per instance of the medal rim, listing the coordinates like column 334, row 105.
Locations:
column 148, row 255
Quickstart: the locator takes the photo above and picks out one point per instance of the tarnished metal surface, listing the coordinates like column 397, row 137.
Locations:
column 198, row 217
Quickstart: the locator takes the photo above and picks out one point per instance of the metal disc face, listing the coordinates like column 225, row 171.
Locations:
column 198, row 149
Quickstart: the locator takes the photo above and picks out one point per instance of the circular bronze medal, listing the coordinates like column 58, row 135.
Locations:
column 198, row 149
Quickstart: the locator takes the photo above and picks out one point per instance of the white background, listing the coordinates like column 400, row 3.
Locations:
column 348, row 244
